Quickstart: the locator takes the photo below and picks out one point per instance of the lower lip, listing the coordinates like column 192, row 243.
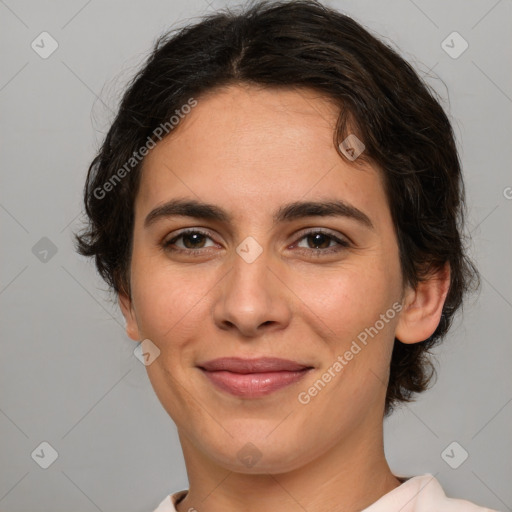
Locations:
column 253, row 385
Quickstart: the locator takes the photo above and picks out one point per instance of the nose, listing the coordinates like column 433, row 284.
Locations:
column 253, row 298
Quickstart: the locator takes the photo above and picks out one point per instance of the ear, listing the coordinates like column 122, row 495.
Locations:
column 132, row 328
column 423, row 307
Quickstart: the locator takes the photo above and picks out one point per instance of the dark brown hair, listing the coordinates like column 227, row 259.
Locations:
column 300, row 44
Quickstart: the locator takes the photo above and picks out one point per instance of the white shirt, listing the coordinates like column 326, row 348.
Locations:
column 421, row 493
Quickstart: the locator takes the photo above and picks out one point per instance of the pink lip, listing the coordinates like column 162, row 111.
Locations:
column 251, row 378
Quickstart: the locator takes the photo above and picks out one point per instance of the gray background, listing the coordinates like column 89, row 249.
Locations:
column 68, row 375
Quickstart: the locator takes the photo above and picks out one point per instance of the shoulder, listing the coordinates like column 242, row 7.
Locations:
column 417, row 494
column 422, row 494
column 168, row 504
column 435, row 498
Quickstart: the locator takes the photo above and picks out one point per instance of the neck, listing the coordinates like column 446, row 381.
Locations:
column 349, row 477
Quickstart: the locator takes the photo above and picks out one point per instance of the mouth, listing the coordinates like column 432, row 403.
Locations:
column 252, row 378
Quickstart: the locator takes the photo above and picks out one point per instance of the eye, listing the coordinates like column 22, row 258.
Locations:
column 191, row 239
column 322, row 240
column 318, row 242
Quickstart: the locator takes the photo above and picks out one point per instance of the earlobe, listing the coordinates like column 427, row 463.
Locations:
column 132, row 329
column 423, row 307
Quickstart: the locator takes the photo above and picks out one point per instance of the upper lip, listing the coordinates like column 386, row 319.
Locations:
column 259, row 365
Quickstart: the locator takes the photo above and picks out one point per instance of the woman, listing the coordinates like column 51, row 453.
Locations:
column 278, row 207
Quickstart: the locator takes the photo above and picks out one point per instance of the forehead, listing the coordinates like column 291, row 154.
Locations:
column 246, row 146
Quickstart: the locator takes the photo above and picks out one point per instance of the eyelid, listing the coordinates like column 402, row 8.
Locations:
column 342, row 243
column 302, row 232
column 326, row 231
column 342, row 240
column 185, row 231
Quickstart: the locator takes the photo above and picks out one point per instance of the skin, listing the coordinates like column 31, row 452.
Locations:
column 249, row 151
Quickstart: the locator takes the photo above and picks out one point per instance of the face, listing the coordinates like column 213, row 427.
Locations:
column 255, row 278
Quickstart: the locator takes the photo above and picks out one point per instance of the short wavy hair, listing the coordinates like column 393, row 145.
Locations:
column 301, row 44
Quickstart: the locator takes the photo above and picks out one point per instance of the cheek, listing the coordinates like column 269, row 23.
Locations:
column 166, row 299
column 352, row 312
column 349, row 298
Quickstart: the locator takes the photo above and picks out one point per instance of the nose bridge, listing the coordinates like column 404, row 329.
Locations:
column 249, row 279
column 251, row 295
column 251, row 258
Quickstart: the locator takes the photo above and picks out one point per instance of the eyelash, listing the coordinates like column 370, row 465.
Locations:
column 342, row 244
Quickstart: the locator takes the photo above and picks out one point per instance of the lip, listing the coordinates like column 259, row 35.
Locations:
column 252, row 378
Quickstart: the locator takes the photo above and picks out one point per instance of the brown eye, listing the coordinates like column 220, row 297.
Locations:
column 320, row 242
column 191, row 240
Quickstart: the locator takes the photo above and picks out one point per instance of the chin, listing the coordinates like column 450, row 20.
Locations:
column 272, row 456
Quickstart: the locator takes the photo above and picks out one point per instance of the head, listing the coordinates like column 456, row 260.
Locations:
column 321, row 179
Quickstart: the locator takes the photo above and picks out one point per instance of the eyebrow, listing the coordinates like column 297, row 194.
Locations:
column 286, row 213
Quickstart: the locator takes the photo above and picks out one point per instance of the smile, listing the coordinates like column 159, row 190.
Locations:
column 252, row 378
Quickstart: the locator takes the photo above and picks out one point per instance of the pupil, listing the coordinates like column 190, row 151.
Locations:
column 193, row 236
column 318, row 239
